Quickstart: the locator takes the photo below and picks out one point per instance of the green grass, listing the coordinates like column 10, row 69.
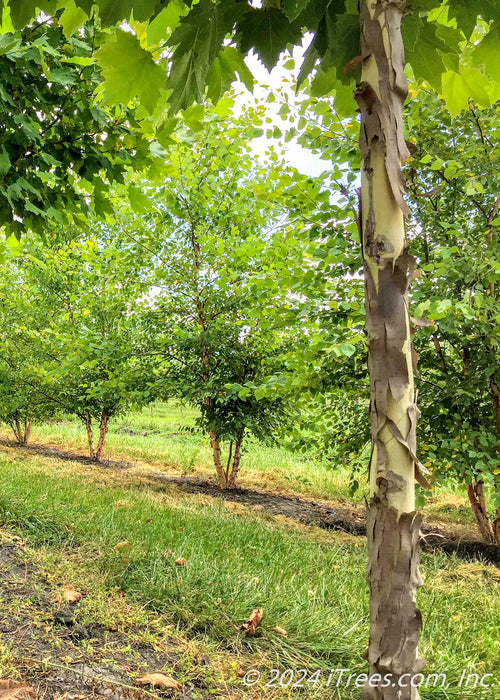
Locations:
column 313, row 585
column 166, row 434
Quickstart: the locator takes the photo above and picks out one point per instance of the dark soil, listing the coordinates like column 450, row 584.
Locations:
column 346, row 519
column 60, row 658
column 315, row 513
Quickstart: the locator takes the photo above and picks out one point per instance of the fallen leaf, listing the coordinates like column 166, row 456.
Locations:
column 181, row 561
column 125, row 543
column 251, row 624
column 15, row 690
column 70, row 594
column 160, row 680
column 280, row 630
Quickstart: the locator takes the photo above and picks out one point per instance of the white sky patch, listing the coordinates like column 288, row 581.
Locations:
column 280, row 82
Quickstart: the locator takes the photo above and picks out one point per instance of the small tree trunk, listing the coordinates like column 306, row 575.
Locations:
column 221, row 474
column 496, row 527
column 393, row 527
column 90, row 436
column 478, row 503
column 233, row 477
column 495, row 396
column 103, row 430
column 16, row 429
column 27, row 432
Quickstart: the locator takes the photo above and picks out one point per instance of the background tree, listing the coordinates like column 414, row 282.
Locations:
column 216, row 236
column 78, row 334
column 454, row 185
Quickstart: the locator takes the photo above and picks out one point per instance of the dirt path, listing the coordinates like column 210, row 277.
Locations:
column 349, row 519
column 57, row 657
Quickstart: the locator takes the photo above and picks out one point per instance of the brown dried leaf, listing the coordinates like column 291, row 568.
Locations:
column 16, row 690
column 280, row 630
column 70, row 594
column 253, row 621
column 159, row 680
column 181, row 561
column 117, row 546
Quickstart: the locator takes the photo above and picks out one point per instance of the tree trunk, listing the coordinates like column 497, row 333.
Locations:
column 90, row 436
column 16, row 429
column 495, row 397
column 233, row 477
column 26, row 431
column 477, row 500
column 393, row 526
column 496, row 527
column 221, row 475
column 103, row 430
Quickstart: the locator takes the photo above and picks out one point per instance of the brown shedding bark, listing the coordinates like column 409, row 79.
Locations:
column 495, row 396
column 393, row 526
column 395, row 620
column 233, row 477
column 90, row 436
column 103, row 430
column 215, row 444
column 477, row 500
column 22, row 431
column 496, row 527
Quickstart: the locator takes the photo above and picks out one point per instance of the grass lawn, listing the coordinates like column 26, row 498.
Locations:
column 116, row 537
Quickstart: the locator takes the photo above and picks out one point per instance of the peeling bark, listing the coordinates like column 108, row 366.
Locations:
column 477, row 501
column 90, row 436
column 495, row 397
column 103, row 430
column 232, row 481
column 22, row 432
column 496, row 527
column 215, row 445
column 395, row 620
column 393, row 526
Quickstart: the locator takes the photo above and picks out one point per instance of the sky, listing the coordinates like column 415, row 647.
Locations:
column 300, row 158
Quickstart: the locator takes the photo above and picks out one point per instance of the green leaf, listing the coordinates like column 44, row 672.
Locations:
column 424, row 49
column 487, row 54
column 343, row 42
column 168, row 19
column 223, row 71
column 138, row 200
column 268, row 32
column 4, row 162
column 198, row 40
column 129, row 71
column 23, row 11
column 293, row 8
column 477, row 84
column 72, row 18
